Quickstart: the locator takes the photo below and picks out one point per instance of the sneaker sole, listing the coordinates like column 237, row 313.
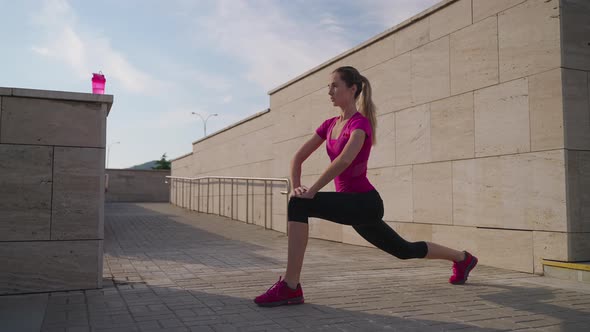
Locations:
column 467, row 270
column 295, row 300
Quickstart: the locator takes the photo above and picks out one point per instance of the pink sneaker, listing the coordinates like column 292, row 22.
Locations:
column 279, row 294
column 461, row 269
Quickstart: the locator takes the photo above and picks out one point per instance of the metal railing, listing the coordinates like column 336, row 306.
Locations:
column 182, row 191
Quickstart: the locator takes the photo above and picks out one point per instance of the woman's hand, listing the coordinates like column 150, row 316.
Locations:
column 303, row 192
column 299, row 190
column 308, row 195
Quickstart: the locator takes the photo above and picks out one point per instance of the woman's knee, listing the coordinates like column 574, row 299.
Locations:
column 411, row 250
column 386, row 239
column 298, row 210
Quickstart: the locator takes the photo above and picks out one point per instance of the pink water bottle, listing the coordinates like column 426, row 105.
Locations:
column 98, row 82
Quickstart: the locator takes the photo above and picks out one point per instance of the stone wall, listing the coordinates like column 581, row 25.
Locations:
column 484, row 130
column 52, row 149
column 244, row 149
column 128, row 185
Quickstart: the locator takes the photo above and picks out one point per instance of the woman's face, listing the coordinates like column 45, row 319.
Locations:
column 340, row 94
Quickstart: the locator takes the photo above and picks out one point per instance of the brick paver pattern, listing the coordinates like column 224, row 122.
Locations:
column 168, row 269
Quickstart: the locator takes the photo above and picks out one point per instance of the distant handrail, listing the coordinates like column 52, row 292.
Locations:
column 186, row 199
column 287, row 181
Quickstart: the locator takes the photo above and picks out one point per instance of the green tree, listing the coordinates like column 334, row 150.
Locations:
column 162, row 163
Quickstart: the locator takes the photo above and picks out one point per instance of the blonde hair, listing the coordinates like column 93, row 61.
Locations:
column 351, row 76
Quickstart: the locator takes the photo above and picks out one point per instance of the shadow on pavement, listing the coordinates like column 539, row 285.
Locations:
column 142, row 307
column 132, row 230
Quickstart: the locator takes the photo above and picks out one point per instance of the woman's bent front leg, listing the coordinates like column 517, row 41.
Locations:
column 298, row 235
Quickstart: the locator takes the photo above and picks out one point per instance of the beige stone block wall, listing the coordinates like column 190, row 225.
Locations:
column 546, row 111
column 430, row 71
column 52, row 122
column 484, row 117
column 549, row 245
column 412, row 135
column 452, row 128
column 47, row 266
column 524, row 191
column 392, row 92
column 181, row 166
column 529, row 39
column 25, row 197
column 371, row 55
column 485, row 8
column 449, row 19
column 78, row 194
column 51, row 190
column 412, row 36
column 432, row 191
column 502, row 119
column 474, row 56
column 127, row 185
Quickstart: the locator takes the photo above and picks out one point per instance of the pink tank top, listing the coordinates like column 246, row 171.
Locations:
column 354, row 177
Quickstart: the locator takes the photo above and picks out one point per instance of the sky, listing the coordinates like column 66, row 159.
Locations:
column 164, row 60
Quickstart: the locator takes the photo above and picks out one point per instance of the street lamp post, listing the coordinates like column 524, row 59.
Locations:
column 109, row 151
column 204, row 121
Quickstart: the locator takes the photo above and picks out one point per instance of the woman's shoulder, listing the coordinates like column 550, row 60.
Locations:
column 359, row 119
column 330, row 120
column 360, row 122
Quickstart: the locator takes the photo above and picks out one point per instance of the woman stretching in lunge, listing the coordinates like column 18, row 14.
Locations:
column 349, row 138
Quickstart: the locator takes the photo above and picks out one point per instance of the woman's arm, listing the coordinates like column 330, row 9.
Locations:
column 302, row 154
column 351, row 150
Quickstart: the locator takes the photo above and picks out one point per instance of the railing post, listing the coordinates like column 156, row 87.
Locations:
column 171, row 191
column 272, row 218
column 232, row 198
column 208, row 184
column 247, row 201
column 265, row 208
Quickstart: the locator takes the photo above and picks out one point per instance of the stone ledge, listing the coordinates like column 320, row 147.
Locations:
column 581, row 266
column 562, row 273
column 59, row 95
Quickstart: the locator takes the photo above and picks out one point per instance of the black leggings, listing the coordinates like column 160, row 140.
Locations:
column 362, row 211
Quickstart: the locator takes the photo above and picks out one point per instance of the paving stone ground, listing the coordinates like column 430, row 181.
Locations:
column 168, row 269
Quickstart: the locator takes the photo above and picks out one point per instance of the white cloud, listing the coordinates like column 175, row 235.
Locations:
column 227, row 99
column 41, row 50
column 329, row 22
column 86, row 53
column 273, row 46
column 209, row 81
column 170, row 119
